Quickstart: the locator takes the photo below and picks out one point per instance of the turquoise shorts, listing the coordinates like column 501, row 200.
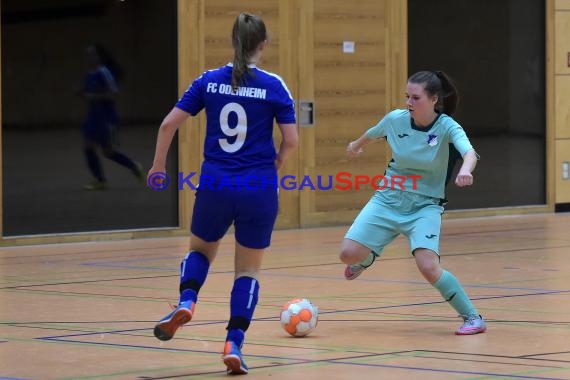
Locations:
column 390, row 213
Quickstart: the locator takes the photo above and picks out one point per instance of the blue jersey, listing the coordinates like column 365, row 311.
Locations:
column 102, row 112
column 239, row 129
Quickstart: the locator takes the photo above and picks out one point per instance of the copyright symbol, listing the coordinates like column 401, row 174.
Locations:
column 158, row 181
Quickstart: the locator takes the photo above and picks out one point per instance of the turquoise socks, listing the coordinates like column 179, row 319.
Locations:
column 369, row 260
column 453, row 292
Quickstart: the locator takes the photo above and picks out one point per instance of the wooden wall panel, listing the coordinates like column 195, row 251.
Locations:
column 397, row 51
column 550, row 107
column 562, row 185
column 560, row 80
column 562, row 115
column 350, row 91
column 349, row 87
column 288, row 69
column 190, row 51
column 562, row 41
column 350, row 94
column 220, row 16
column 278, row 57
column 1, row 152
column 562, row 5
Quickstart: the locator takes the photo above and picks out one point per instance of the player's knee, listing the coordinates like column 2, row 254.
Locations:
column 430, row 269
column 431, row 274
column 352, row 252
column 345, row 256
column 351, row 255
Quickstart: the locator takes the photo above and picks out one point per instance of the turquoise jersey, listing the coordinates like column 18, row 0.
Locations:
column 419, row 151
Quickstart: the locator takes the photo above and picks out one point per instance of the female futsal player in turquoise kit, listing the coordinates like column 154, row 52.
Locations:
column 241, row 103
column 419, row 138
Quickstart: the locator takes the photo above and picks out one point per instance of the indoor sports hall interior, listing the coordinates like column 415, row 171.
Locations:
column 85, row 273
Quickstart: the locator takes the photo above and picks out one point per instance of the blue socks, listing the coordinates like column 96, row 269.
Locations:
column 453, row 292
column 193, row 272
column 245, row 294
column 123, row 160
column 237, row 336
column 94, row 163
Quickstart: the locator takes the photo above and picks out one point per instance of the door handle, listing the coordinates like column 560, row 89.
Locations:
column 306, row 114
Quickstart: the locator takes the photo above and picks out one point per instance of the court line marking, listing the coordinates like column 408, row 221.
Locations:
column 296, row 361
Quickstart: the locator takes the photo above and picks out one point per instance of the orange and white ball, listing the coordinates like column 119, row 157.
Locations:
column 299, row 317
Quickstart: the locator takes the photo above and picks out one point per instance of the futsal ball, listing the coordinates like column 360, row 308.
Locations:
column 299, row 317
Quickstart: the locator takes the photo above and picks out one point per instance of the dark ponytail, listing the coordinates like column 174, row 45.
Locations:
column 247, row 33
column 438, row 83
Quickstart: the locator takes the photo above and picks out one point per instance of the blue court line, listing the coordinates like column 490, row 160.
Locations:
column 139, row 277
column 56, row 337
column 117, row 263
column 135, row 259
column 81, row 251
column 293, row 361
column 436, row 302
column 336, row 361
column 534, row 356
column 408, row 282
column 126, row 266
column 123, row 345
column 268, row 271
column 12, row 378
column 340, row 361
column 126, row 331
column 170, row 349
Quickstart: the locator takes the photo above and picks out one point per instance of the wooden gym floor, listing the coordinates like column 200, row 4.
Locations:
column 86, row 311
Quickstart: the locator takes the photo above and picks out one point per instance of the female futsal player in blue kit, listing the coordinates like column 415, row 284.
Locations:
column 241, row 103
column 419, row 138
column 100, row 127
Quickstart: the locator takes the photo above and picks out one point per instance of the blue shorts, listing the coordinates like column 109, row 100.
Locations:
column 103, row 134
column 390, row 213
column 101, row 124
column 252, row 211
